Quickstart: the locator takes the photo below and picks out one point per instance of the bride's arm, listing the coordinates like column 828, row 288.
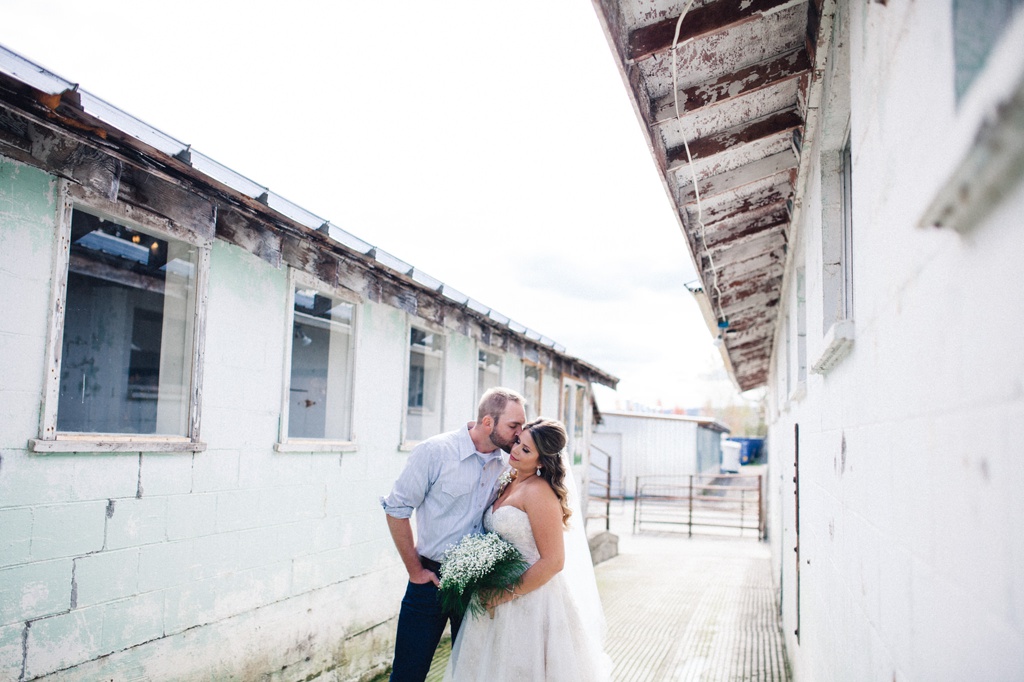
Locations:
column 545, row 514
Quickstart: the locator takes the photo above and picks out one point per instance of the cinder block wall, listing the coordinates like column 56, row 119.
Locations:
column 910, row 548
column 238, row 562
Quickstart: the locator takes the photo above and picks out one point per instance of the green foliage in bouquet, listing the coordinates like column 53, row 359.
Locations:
column 477, row 568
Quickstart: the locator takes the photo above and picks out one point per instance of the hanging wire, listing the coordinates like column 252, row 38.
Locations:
column 689, row 161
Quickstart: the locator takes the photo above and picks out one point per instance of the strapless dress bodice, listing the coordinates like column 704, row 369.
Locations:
column 513, row 524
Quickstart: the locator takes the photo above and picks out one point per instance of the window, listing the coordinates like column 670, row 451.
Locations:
column 578, row 424
column 488, row 374
column 846, row 253
column 837, row 238
column 794, row 352
column 837, row 207
column 837, row 259
column 787, row 355
column 127, row 371
column 318, row 406
column 426, row 369
column 574, row 416
column 801, row 329
column 977, row 26
column 531, row 389
column 986, row 146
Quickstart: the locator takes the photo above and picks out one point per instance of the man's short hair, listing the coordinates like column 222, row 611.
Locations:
column 494, row 401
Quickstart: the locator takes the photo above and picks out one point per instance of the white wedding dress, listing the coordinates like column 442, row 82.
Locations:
column 539, row 636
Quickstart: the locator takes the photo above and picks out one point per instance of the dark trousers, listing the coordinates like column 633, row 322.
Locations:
column 420, row 626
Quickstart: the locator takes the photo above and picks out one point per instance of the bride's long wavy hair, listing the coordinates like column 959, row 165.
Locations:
column 549, row 437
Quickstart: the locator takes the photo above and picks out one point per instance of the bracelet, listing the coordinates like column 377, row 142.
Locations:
column 512, row 591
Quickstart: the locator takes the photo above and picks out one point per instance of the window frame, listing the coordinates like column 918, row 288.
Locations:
column 837, row 275
column 846, row 224
column 285, row 443
column 985, row 134
column 800, row 389
column 569, row 393
column 72, row 197
column 481, row 349
column 836, row 177
column 540, row 388
column 405, row 443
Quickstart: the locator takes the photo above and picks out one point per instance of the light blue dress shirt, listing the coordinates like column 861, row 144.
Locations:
column 449, row 485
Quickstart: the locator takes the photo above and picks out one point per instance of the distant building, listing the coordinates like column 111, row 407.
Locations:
column 859, row 242
column 644, row 444
column 205, row 388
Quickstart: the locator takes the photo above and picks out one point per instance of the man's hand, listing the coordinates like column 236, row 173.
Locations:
column 401, row 533
column 424, row 576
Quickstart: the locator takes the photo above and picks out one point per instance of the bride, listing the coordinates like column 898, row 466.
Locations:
column 549, row 625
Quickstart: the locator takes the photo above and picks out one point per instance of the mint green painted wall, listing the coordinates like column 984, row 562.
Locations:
column 460, row 381
column 27, row 214
column 236, row 561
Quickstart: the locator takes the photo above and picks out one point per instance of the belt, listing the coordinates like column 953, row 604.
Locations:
column 430, row 564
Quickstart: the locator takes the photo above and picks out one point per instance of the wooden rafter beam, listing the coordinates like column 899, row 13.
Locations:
column 756, row 374
column 739, row 250
column 758, row 289
column 761, row 128
column 736, row 178
column 748, row 223
column 729, row 214
column 702, row 21
column 766, row 74
column 746, row 263
column 771, row 222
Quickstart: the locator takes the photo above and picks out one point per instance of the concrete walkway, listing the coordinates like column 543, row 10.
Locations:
column 698, row 609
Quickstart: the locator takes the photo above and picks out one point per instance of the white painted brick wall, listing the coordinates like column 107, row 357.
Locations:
column 135, row 522
column 35, row 590
column 11, row 648
column 105, row 576
column 237, row 560
column 16, row 547
column 910, row 546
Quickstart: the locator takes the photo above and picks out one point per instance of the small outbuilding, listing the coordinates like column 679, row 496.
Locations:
column 649, row 444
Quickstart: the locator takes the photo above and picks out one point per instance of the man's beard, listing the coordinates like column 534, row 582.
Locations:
column 505, row 445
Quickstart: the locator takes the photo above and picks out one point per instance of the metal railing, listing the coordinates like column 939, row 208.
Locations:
column 699, row 500
column 605, row 483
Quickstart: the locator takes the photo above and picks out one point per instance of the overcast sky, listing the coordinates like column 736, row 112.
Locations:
column 492, row 145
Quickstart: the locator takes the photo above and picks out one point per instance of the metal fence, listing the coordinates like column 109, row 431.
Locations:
column 600, row 505
column 669, row 503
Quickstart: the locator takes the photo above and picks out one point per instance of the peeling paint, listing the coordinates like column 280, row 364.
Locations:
column 74, row 584
column 138, row 489
column 24, row 650
column 743, row 73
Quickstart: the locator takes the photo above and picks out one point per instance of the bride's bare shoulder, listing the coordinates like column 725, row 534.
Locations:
column 542, row 495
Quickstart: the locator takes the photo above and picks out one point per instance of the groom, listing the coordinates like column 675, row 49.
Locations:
column 448, row 481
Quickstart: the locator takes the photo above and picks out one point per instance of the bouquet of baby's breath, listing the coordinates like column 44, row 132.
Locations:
column 478, row 567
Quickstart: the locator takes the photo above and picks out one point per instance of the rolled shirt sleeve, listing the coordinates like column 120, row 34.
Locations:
column 411, row 486
column 449, row 485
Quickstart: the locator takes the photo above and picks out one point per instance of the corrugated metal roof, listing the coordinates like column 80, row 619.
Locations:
column 708, row 422
column 39, row 78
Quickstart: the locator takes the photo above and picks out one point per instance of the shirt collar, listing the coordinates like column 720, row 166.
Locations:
column 468, row 449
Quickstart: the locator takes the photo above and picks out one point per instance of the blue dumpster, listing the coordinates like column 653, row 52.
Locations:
column 750, row 448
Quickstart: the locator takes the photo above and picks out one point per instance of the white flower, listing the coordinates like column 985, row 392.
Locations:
column 473, row 558
column 504, row 480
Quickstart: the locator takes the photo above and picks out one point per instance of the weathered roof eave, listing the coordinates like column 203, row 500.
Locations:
column 748, row 231
column 659, row 160
column 45, row 100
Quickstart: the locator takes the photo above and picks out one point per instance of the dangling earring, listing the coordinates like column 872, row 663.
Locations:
column 538, row 471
